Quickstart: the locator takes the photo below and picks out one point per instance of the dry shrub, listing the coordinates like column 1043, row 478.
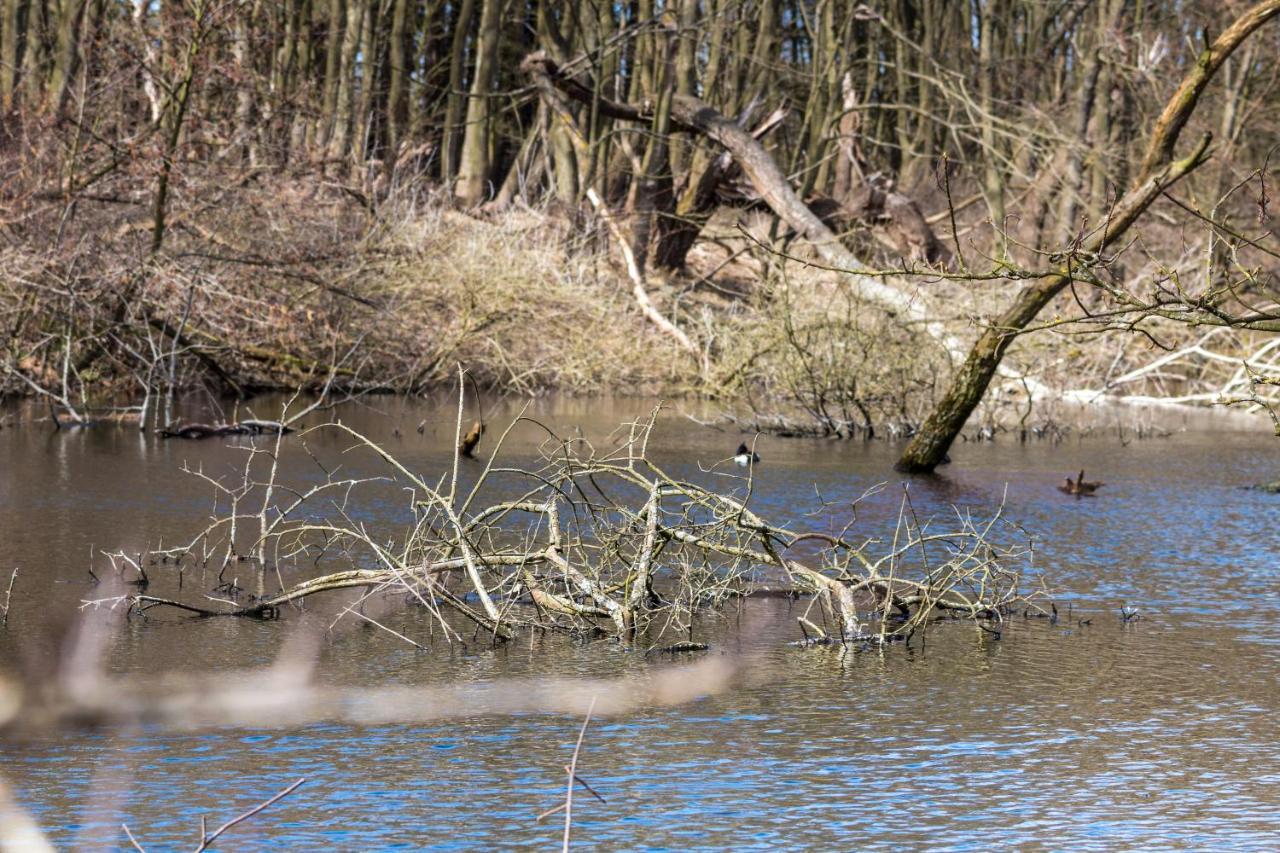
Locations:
column 276, row 279
column 818, row 359
column 525, row 303
column 795, row 346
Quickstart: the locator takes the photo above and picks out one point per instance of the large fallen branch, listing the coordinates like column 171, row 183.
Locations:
column 595, row 540
column 688, row 114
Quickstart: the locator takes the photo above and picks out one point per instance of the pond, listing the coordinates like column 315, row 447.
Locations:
column 1087, row 733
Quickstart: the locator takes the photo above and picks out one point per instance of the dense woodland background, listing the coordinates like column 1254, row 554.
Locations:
column 238, row 194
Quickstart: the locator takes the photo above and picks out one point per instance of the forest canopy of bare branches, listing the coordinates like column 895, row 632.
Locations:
column 812, row 206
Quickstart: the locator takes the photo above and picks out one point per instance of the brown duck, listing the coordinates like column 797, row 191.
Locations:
column 1079, row 486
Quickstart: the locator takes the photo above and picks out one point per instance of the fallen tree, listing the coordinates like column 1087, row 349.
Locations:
column 691, row 115
column 588, row 541
column 198, row 431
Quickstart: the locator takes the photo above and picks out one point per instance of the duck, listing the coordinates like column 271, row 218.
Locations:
column 746, row 456
column 1079, row 486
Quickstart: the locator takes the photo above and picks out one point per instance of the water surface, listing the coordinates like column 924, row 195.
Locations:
column 1161, row 733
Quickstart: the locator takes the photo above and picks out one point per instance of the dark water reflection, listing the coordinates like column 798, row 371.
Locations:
column 1158, row 734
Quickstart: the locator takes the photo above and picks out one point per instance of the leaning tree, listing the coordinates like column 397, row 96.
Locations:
column 1158, row 172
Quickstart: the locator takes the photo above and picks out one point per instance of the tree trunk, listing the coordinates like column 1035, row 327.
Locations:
column 559, row 156
column 9, row 51
column 332, row 65
column 398, row 80
column 1073, row 182
column 992, row 176
column 34, row 54
column 473, row 164
column 365, row 120
column 653, row 196
column 343, row 115
column 686, row 73
column 295, row 73
column 245, row 133
column 66, row 53
column 455, row 99
column 422, row 106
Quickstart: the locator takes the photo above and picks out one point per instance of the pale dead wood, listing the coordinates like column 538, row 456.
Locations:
column 639, row 289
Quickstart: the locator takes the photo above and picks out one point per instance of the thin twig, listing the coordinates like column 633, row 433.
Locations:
column 573, row 768
column 132, row 840
column 209, row 839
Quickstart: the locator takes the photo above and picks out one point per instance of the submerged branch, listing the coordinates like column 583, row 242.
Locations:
column 600, row 539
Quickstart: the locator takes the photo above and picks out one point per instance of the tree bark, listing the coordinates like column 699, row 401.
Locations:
column 398, row 80
column 372, row 58
column 66, row 53
column 559, row 158
column 34, row 52
column 9, row 56
column 343, row 115
column 654, row 193
column 245, row 132
column 474, row 161
column 455, row 98
column 992, row 176
column 332, row 65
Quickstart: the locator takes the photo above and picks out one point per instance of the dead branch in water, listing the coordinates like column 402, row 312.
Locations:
column 245, row 427
column 594, row 540
column 8, row 598
column 572, row 771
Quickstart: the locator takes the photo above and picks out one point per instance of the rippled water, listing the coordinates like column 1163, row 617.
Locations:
column 1161, row 733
